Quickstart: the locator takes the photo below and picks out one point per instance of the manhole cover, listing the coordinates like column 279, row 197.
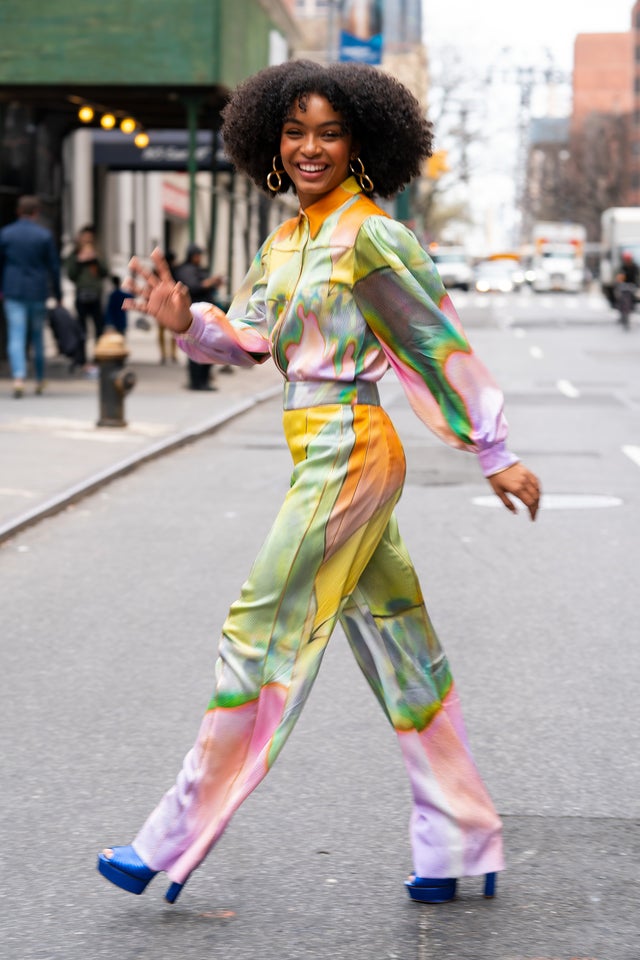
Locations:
column 560, row 501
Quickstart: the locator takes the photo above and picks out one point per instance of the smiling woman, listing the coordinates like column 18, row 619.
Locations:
column 335, row 296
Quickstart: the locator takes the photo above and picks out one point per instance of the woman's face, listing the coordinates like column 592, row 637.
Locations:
column 315, row 148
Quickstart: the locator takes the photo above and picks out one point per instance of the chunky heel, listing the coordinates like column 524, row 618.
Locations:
column 123, row 867
column 429, row 890
column 173, row 892
column 490, row 881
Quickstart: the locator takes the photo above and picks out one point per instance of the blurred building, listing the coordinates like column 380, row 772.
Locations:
column 634, row 197
column 168, row 69
column 403, row 51
column 547, row 169
column 603, row 71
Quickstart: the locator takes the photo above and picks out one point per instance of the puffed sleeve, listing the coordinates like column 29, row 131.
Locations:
column 239, row 336
column 400, row 293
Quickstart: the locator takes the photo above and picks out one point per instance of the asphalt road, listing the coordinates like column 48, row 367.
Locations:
column 110, row 615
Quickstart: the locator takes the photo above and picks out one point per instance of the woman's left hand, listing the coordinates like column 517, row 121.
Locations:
column 156, row 292
column 520, row 482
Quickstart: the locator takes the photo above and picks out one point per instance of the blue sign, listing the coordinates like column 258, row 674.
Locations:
column 362, row 51
column 361, row 31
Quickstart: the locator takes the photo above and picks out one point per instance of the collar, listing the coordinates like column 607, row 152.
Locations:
column 318, row 212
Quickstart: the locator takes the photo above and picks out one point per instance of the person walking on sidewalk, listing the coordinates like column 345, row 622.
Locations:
column 29, row 274
column 87, row 271
column 335, row 296
column 202, row 288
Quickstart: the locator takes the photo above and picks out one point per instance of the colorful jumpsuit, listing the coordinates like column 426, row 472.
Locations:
column 335, row 296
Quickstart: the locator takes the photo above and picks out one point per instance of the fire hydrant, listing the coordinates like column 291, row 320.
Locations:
column 115, row 381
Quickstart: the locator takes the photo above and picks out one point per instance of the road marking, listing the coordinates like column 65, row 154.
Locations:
column 536, row 353
column 559, row 501
column 567, row 388
column 633, row 453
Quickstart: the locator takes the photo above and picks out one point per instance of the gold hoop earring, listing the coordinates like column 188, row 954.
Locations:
column 366, row 183
column 274, row 184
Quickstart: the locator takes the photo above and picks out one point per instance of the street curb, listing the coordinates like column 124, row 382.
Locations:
column 93, row 483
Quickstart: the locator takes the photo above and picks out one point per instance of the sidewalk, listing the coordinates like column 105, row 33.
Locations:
column 52, row 452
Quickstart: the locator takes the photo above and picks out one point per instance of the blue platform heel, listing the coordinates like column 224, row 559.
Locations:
column 430, row 890
column 126, row 870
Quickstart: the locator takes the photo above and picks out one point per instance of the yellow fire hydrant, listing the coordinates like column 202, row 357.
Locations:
column 115, row 380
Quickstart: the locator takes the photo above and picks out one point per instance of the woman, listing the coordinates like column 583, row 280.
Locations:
column 335, row 295
column 87, row 271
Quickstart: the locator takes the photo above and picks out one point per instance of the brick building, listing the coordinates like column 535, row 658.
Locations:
column 602, row 75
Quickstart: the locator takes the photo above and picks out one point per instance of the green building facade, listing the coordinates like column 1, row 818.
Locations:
column 170, row 64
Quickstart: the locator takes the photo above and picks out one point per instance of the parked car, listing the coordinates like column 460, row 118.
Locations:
column 454, row 266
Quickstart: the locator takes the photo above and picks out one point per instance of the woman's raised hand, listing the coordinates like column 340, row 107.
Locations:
column 154, row 291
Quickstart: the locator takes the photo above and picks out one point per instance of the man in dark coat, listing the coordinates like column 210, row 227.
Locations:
column 29, row 273
column 202, row 288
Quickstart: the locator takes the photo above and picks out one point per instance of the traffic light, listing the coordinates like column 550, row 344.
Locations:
column 437, row 165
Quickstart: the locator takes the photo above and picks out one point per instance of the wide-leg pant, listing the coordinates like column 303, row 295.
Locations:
column 333, row 552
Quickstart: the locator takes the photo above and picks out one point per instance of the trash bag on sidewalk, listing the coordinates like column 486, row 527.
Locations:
column 67, row 332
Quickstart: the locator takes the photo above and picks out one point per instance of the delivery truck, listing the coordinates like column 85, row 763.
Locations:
column 558, row 256
column 619, row 233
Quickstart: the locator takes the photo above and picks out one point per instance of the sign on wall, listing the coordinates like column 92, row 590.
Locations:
column 361, row 31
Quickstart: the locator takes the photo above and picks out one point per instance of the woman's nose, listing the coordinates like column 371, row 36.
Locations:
column 310, row 144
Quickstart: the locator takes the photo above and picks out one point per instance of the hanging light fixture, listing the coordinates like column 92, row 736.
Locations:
column 128, row 125
column 141, row 139
column 107, row 121
column 85, row 113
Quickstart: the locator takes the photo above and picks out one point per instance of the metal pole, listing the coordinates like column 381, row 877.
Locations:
column 192, row 104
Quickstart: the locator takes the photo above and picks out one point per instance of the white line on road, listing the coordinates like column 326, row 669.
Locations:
column 567, row 388
column 633, row 453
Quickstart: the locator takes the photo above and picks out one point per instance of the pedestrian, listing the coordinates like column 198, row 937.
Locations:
column 202, row 288
column 336, row 295
column 29, row 274
column 86, row 269
column 114, row 315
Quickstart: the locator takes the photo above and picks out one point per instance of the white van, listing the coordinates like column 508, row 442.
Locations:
column 454, row 266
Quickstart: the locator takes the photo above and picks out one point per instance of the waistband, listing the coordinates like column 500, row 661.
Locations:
column 317, row 393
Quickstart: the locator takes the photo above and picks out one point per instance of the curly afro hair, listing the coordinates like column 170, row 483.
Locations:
column 381, row 114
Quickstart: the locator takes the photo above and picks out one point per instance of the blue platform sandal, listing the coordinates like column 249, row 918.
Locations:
column 430, row 890
column 123, row 867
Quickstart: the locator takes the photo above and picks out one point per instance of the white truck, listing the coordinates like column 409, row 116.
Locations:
column 454, row 266
column 558, row 256
column 619, row 233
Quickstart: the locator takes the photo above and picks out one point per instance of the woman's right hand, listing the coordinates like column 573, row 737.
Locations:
column 158, row 294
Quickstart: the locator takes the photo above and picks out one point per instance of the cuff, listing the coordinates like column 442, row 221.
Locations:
column 496, row 458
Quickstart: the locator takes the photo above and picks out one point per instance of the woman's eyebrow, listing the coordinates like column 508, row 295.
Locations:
column 325, row 123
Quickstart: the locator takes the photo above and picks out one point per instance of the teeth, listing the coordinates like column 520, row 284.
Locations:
column 311, row 168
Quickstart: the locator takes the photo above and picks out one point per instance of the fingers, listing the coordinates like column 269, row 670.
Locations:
column 519, row 482
column 161, row 265
column 137, row 268
column 529, row 494
column 509, row 504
